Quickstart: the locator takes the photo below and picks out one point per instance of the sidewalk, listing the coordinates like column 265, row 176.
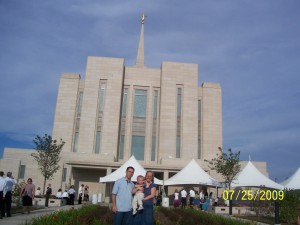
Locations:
column 19, row 219
column 245, row 220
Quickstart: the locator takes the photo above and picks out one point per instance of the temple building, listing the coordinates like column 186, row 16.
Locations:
column 159, row 115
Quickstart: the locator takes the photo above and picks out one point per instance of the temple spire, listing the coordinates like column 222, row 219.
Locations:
column 140, row 54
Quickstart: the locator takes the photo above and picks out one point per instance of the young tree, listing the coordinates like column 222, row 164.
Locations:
column 16, row 194
column 47, row 156
column 228, row 165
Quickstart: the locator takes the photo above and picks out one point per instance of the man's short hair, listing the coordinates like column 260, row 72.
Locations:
column 9, row 174
column 1, row 173
column 129, row 167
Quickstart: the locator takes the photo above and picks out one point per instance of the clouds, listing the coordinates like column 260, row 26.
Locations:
column 250, row 47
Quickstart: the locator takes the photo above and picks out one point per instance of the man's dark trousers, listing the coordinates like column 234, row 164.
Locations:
column 2, row 212
column 7, row 203
column 47, row 200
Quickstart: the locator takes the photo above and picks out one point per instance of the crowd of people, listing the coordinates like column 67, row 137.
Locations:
column 70, row 194
column 138, row 209
column 201, row 200
column 29, row 192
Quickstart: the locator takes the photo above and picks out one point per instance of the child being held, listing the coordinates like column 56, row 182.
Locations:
column 138, row 191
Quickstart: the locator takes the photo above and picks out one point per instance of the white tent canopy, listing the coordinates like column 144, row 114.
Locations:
column 119, row 173
column 192, row 173
column 250, row 176
column 294, row 181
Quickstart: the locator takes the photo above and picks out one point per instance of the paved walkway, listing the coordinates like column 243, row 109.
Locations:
column 18, row 218
column 245, row 220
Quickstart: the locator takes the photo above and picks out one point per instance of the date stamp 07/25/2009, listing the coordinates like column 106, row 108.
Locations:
column 249, row 195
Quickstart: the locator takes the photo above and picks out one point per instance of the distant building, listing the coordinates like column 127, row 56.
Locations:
column 159, row 115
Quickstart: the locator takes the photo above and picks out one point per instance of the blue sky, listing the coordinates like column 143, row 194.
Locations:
column 252, row 48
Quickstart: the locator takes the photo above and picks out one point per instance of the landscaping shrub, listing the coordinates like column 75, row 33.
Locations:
column 86, row 215
column 16, row 194
column 194, row 217
column 97, row 215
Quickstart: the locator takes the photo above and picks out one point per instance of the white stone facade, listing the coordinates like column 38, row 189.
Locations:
column 77, row 120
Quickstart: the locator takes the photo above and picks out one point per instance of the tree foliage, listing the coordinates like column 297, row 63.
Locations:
column 227, row 164
column 47, row 155
column 289, row 206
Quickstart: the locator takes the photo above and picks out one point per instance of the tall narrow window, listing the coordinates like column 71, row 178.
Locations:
column 178, row 102
column 75, row 144
column 199, row 129
column 22, row 171
column 79, row 105
column 122, row 125
column 178, row 147
column 124, row 105
column 97, row 146
column 77, row 121
column 154, row 125
column 178, row 133
column 139, row 124
column 155, row 98
column 101, row 105
column 102, row 96
column 64, row 178
column 138, row 144
column 199, row 149
column 121, row 154
column 140, row 103
column 153, row 148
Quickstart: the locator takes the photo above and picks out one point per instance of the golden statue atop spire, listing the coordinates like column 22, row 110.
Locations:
column 143, row 18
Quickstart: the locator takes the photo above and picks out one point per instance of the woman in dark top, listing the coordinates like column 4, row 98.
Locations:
column 146, row 216
column 149, row 193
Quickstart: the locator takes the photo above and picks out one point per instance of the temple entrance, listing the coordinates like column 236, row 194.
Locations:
column 89, row 177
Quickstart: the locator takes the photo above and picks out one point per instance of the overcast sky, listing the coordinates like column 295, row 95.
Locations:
column 252, row 48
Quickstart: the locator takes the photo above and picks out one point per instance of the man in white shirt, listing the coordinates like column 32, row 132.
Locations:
column 80, row 194
column 2, row 184
column 65, row 195
column 71, row 193
column 9, row 183
column 183, row 198
column 201, row 196
column 192, row 196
